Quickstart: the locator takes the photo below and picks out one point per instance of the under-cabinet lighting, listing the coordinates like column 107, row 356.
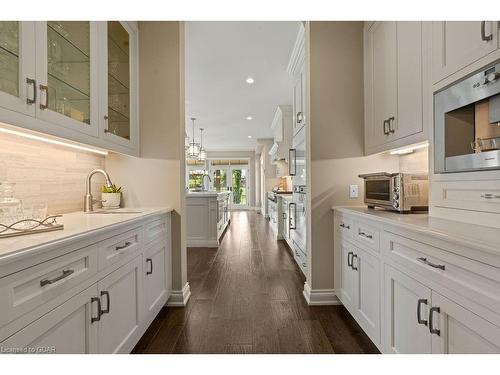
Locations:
column 249, row 136
column 52, row 141
column 249, row 80
column 249, row 118
column 409, row 150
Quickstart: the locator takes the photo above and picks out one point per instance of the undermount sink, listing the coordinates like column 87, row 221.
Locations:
column 117, row 211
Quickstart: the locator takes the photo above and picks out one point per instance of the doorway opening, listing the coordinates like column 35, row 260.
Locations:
column 232, row 175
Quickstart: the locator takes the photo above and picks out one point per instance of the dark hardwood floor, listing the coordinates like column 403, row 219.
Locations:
column 247, row 298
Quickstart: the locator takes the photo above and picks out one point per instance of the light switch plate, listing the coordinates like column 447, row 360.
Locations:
column 353, row 191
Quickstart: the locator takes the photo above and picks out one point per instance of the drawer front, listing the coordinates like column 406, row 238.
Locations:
column 474, row 280
column 119, row 247
column 26, row 290
column 367, row 234
column 345, row 226
column 155, row 229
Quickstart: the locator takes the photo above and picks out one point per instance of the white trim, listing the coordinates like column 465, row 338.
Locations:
column 320, row 297
column 180, row 298
column 298, row 53
column 193, row 242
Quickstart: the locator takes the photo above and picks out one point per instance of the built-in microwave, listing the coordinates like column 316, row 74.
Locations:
column 467, row 124
column 402, row 192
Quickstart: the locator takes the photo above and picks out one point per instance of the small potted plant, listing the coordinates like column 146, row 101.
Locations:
column 111, row 196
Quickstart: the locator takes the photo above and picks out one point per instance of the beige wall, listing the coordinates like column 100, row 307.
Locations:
column 334, row 76
column 46, row 173
column 156, row 178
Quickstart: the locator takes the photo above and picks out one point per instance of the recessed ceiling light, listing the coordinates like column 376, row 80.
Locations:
column 249, row 118
column 249, row 80
column 249, row 136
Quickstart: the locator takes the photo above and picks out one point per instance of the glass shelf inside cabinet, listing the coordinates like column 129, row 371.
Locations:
column 9, row 57
column 68, row 58
column 118, row 80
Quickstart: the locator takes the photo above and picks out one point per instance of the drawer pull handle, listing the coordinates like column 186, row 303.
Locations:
column 363, row 234
column 433, row 265
column 127, row 244
column 108, row 299
column 419, row 316
column 99, row 310
column 352, row 262
column 65, row 273
column 150, row 261
column 349, row 258
column 433, row 330
column 490, row 196
column 345, row 226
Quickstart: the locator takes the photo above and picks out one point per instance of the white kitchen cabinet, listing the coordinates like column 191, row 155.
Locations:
column 70, row 328
column 118, row 75
column 67, row 74
column 367, row 269
column 394, row 84
column 457, row 44
column 299, row 101
column 76, row 80
column 157, row 278
column 17, row 75
column 360, row 291
column 436, row 296
column 122, row 308
column 459, row 331
column 348, row 290
column 402, row 331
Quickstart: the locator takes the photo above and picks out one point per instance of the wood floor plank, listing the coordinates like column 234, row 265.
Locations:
column 247, row 298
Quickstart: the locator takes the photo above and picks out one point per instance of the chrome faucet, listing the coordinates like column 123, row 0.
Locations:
column 88, row 203
column 209, row 179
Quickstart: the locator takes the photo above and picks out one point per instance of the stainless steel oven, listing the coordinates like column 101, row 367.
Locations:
column 467, row 124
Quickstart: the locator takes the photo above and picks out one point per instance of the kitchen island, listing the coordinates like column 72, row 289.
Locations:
column 207, row 217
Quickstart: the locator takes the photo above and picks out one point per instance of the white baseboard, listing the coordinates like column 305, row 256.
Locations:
column 180, row 297
column 202, row 243
column 320, row 297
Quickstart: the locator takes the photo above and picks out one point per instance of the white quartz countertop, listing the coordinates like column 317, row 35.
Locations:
column 470, row 235
column 77, row 225
column 200, row 194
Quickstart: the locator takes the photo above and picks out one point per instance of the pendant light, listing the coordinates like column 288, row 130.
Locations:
column 203, row 153
column 194, row 148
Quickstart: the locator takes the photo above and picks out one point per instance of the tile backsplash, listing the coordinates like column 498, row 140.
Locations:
column 416, row 162
column 46, row 173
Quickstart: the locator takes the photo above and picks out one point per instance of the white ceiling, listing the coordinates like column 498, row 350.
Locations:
column 219, row 58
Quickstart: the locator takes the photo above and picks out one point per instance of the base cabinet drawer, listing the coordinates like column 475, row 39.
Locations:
column 26, row 290
column 119, row 247
column 66, row 329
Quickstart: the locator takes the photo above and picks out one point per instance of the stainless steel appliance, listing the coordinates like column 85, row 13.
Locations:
column 402, row 192
column 467, row 124
column 298, row 212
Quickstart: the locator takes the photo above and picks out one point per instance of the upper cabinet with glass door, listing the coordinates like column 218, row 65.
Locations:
column 72, row 79
column 119, row 120
column 17, row 67
column 67, row 61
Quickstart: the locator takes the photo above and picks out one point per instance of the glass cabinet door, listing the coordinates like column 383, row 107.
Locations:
column 121, row 44
column 68, row 75
column 17, row 66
